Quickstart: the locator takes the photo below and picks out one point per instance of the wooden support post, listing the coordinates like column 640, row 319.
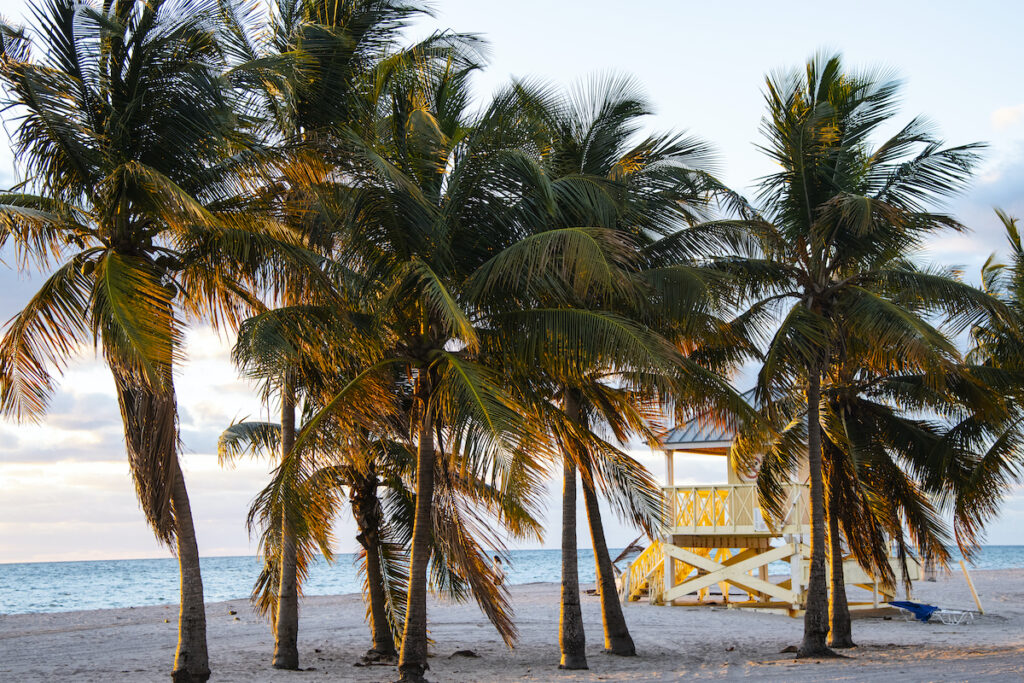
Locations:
column 970, row 584
column 796, row 571
column 669, row 573
column 670, row 482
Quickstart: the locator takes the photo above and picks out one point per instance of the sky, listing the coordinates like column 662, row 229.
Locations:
column 65, row 492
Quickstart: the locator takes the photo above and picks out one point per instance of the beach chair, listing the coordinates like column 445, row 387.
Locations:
column 924, row 613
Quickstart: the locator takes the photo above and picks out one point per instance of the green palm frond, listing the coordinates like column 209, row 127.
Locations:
column 44, row 336
column 258, row 439
column 133, row 313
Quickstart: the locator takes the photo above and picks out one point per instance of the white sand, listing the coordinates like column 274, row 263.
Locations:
column 673, row 642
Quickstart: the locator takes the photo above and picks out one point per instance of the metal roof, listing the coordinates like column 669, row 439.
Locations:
column 695, row 436
column 700, row 436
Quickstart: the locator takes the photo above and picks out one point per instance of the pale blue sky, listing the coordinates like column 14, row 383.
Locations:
column 64, row 487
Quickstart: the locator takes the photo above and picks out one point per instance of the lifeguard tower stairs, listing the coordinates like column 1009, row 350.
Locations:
column 719, row 547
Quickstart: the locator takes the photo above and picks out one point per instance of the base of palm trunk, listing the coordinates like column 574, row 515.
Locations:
column 819, row 652
column 375, row 656
column 573, row 662
column 186, row 676
column 842, row 644
column 412, row 674
column 288, row 663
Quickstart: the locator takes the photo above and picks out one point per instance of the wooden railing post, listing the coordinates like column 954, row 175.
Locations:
column 673, row 519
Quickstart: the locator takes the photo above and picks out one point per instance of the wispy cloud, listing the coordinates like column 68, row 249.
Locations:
column 1008, row 117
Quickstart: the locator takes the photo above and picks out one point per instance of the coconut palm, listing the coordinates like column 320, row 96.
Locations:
column 427, row 207
column 123, row 130
column 358, row 446
column 302, row 81
column 885, row 458
column 441, row 229
column 638, row 193
column 331, row 461
column 836, row 221
column 284, row 350
column 996, row 361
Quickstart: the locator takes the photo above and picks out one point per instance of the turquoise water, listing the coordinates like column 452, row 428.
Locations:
column 66, row 586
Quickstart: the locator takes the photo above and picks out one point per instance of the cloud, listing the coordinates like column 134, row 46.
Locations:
column 1007, row 117
column 74, row 511
column 999, row 187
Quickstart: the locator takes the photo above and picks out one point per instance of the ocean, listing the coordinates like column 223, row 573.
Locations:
column 67, row 586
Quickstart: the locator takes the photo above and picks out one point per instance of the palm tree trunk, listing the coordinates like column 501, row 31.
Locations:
column 816, row 614
column 617, row 640
column 286, row 622
column 571, row 638
column 367, row 513
column 191, row 661
column 840, row 624
column 412, row 663
column 151, row 439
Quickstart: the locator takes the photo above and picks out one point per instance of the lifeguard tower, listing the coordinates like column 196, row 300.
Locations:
column 717, row 536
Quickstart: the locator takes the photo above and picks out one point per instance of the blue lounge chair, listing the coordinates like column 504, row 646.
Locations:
column 924, row 613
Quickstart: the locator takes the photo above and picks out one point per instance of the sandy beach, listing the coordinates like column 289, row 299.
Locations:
column 137, row 644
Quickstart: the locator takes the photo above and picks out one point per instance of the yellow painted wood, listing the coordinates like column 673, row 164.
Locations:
column 731, row 510
column 970, row 584
column 720, row 541
column 731, row 571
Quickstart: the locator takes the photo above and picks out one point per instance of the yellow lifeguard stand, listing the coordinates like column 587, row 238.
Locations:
column 717, row 535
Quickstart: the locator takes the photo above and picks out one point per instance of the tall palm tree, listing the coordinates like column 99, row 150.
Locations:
column 303, row 81
column 639, row 194
column 996, row 359
column 886, row 461
column 835, row 220
column 123, row 127
column 427, row 208
column 440, row 232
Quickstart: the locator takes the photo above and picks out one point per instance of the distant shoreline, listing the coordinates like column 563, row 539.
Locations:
column 73, row 586
column 341, row 554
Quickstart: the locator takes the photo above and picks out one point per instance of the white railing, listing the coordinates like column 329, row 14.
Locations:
column 731, row 509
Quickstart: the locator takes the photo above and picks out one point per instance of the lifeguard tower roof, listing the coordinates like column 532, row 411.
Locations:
column 702, row 436
column 694, row 437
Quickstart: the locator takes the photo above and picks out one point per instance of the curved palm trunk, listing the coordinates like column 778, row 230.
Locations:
column 367, row 513
column 816, row 615
column 286, row 621
column 151, row 439
column 617, row 640
column 571, row 638
column 412, row 662
column 191, row 661
column 840, row 624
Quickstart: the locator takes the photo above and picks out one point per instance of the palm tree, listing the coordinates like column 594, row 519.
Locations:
column 123, row 123
column 304, row 80
column 995, row 358
column 885, row 460
column 307, row 344
column 835, row 220
column 440, row 228
column 427, row 208
column 636, row 194
column 348, row 439
column 282, row 349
